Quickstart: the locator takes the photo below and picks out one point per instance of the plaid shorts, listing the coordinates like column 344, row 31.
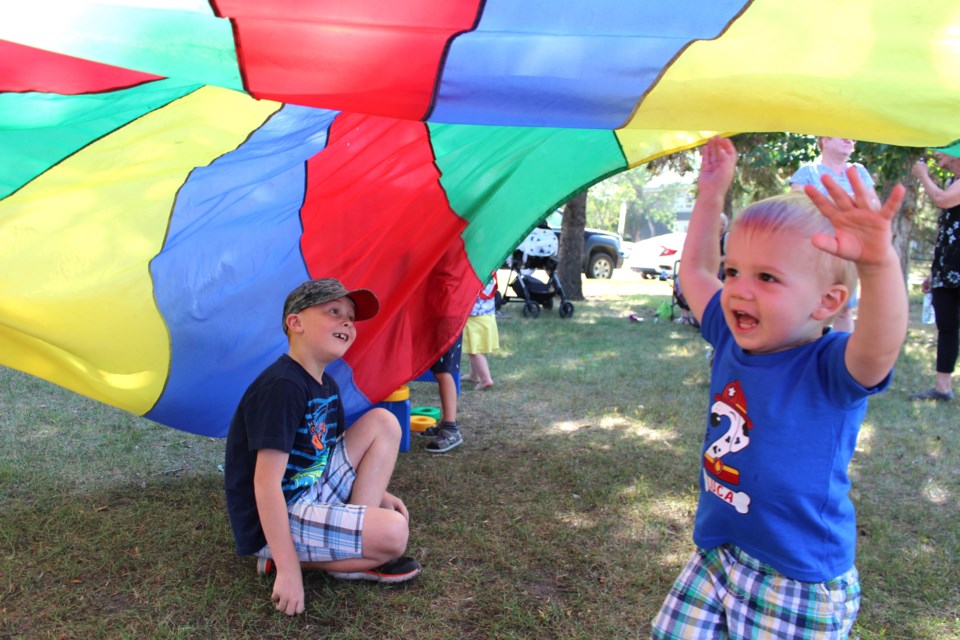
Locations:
column 323, row 526
column 725, row 593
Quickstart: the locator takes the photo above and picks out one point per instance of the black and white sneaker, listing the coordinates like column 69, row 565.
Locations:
column 434, row 431
column 400, row 570
column 445, row 440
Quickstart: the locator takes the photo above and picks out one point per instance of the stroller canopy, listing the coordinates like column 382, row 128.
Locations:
column 540, row 243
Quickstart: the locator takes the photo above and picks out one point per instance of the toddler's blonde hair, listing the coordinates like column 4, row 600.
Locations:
column 794, row 212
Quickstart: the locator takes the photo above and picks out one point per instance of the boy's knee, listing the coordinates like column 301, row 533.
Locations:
column 380, row 422
column 386, row 534
column 381, row 415
column 398, row 534
column 387, row 423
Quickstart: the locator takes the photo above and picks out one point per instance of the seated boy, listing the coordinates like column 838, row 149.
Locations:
column 304, row 492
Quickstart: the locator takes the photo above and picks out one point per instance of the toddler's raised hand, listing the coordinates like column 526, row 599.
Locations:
column 863, row 234
column 718, row 161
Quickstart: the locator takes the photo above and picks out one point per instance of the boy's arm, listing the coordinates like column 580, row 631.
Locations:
column 863, row 234
column 272, row 508
column 701, row 249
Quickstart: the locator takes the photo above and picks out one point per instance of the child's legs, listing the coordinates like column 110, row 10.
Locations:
column 331, row 534
column 479, row 368
column 470, row 350
column 372, row 444
column 693, row 609
column 479, row 338
column 447, row 389
column 325, row 530
column 443, row 370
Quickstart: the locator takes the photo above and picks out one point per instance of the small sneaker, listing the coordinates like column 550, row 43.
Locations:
column 434, row 431
column 933, row 394
column 265, row 566
column 446, row 440
column 400, row 570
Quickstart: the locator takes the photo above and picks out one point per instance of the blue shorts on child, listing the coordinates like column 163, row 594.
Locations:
column 449, row 362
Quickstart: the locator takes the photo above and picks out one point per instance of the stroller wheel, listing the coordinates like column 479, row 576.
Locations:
column 531, row 310
column 566, row 310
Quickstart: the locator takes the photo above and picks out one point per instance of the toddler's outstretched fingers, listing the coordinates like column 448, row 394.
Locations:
column 822, row 202
column 860, row 191
column 826, row 242
column 840, row 197
column 892, row 205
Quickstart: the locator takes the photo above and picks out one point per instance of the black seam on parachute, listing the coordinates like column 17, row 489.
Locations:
column 666, row 67
column 91, row 93
column 166, row 235
column 442, row 65
column 98, row 138
column 303, row 202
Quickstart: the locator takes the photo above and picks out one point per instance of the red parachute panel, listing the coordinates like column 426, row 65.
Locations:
column 369, row 56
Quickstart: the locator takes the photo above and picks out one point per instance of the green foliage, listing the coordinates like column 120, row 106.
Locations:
column 650, row 210
column 767, row 160
column 605, row 198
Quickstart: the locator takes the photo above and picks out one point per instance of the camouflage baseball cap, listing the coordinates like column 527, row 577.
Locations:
column 314, row 292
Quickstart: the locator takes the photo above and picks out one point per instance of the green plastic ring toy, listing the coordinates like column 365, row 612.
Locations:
column 432, row 412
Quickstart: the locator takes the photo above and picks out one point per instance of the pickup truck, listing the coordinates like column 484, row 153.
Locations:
column 602, row 250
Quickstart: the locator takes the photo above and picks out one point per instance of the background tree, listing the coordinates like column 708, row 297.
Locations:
column 605, row 199
column 767, row 160
column 650, row 210
column 571, row 245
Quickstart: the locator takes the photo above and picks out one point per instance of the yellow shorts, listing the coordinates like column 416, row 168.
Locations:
column 481, row 335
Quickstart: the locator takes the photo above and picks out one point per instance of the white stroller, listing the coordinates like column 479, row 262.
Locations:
column 538, row 251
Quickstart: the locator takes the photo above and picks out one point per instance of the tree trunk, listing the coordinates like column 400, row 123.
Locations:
column 903, row 225
column 903, row 221
column 571, row 246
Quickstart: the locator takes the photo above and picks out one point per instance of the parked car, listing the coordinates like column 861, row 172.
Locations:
column 655, row 257
column 602, row 250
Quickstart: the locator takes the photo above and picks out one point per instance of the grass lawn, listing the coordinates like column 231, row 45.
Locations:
column 566, row 514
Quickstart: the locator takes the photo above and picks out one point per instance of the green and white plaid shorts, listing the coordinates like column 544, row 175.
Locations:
column 725, row 593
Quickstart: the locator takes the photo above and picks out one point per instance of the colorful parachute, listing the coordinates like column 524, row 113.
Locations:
column 170, row 169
